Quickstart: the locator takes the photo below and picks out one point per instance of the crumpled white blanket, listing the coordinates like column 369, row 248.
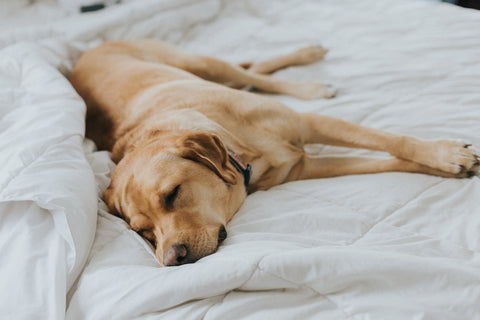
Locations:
column 383, row 246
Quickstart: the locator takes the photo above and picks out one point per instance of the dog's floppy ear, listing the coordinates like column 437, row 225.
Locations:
column 209, row 150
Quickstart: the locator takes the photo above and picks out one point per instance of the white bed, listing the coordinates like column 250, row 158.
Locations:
column 381, row 246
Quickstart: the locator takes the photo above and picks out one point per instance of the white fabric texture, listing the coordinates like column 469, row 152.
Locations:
column 379, row 246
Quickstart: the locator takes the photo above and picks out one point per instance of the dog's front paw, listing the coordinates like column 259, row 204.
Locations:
column 456, row 157
column 470, row 161
column 313, row 90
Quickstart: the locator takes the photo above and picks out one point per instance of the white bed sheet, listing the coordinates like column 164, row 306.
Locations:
column 383, row 246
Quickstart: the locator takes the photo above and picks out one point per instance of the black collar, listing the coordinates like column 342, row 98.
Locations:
column 244, row 169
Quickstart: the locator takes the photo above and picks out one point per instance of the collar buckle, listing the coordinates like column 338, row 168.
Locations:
column 244, row 169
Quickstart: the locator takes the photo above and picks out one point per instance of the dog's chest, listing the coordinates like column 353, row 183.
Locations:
column 274, row 166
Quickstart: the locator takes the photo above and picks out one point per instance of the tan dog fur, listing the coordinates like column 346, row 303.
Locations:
column 168, row 130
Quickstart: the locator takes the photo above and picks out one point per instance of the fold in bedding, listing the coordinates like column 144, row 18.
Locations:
column 48, row 194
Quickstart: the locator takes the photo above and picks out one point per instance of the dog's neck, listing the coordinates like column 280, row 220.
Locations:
column 244, row 169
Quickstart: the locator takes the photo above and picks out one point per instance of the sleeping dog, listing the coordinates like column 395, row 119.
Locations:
column 189, row 146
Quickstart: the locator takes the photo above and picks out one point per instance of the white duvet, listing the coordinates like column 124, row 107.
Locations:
column 381, row 246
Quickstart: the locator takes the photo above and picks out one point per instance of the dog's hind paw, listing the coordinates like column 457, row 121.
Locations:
column 313, row 90
column 330, row 92
column 310, row 54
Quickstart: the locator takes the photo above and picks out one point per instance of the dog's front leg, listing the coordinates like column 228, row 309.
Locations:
column 324, row 167
column 449, row 156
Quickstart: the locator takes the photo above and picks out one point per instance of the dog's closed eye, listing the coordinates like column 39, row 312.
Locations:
column 171, row 196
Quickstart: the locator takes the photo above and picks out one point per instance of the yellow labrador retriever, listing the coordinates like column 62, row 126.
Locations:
column 188, row 149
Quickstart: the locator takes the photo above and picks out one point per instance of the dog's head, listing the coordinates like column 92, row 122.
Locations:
column 178, row 191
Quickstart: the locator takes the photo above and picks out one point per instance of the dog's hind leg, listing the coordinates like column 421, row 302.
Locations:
column 299, row 57
column 216, row 70
column 449, row 156
column 223, row 72
column 219, row 71
column 303, row 56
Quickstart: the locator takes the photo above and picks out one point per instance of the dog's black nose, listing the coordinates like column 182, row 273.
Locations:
column 175, row 255
column 222, row 234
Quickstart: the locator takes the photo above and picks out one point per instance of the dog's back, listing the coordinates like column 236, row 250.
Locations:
column 108, row 78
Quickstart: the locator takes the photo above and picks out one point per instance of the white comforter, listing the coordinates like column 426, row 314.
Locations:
column 382, row 246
